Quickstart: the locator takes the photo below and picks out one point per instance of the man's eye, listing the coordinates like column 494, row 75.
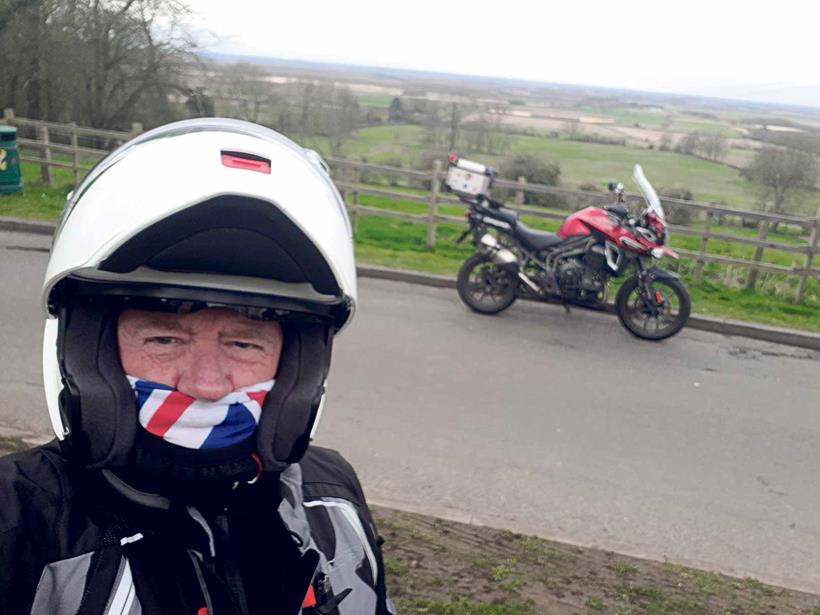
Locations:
column 163, row 340
column 246, row 345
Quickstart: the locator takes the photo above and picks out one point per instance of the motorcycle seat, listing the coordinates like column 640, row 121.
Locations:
column 535, row 240
column 510, row 216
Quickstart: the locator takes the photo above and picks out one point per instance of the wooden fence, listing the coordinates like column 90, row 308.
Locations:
column 68, row 139
column 39, row 141
column 348, row 176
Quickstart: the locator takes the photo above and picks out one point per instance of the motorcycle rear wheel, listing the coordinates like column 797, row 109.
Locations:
column 484, row 287
column 661, row 320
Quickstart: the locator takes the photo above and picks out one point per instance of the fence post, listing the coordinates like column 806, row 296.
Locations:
column 45, row 158
column 707, row 230
column 431, row 225
column 339, row 178
column 75, row 144
column 751, row 281
column 354, row 210
column 811, row 251
column 519, row 194
column 8, row 115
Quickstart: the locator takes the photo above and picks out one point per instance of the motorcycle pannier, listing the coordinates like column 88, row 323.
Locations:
column 468, row 178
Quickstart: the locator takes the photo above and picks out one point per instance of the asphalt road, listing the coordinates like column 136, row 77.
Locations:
column 702, row 449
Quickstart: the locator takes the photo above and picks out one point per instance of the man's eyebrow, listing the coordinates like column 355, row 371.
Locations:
column 159, row 323
column 247, row 332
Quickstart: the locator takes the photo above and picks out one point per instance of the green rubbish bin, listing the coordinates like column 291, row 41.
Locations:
column 10, row 179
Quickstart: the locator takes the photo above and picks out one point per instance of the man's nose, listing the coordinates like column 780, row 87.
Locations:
column 204, row 377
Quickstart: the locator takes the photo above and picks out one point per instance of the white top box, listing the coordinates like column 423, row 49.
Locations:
column 468, row 178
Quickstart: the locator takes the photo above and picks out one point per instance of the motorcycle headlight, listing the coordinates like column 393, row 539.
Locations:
column 657, row 253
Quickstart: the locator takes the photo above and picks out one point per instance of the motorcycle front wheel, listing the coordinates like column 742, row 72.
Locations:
column 656, row 315
column 484, row 287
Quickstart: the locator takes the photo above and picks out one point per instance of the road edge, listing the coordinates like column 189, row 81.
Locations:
column 735, row 328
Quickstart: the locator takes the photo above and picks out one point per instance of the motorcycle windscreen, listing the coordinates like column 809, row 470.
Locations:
column 648, row 192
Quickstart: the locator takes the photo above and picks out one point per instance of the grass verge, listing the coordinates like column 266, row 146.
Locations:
column 438, row 567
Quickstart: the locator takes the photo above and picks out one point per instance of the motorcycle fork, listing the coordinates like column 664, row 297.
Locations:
column 645, row 284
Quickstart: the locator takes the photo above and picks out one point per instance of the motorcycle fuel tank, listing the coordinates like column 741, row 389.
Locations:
column 582, row 221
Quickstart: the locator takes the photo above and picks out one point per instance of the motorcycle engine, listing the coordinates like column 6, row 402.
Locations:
column 576, row 277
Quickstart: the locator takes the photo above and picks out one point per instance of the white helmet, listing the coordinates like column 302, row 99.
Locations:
column 198, row 213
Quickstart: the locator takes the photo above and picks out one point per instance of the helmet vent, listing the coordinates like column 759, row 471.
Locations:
column 245, row 161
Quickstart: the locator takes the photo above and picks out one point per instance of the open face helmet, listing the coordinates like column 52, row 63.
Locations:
column 199, row 213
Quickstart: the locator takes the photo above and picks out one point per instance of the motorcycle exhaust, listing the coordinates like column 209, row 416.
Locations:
column 505, row 259
column 528, row 281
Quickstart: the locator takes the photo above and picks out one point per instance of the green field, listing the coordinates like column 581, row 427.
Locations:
column 375, row 100
column 581, row 163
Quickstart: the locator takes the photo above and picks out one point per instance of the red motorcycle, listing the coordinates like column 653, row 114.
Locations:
column 575, row 265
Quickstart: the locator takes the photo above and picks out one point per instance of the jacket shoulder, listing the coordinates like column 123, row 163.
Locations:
column 325, row 473
column 32, row 481
column 32, row 497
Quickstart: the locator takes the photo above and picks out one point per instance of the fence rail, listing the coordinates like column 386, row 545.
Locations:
column 349, row 176
column 64, row 139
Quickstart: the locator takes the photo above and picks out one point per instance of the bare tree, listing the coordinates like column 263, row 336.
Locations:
column 31, row 57
column 779, row 174
column 100, row 62
column 244, row 92
column 486, row 132
column 124, row 54
column 10, row 8
column 396, row 112
column 457, row 112
column 499, row 138
column 341, row 116
column 433, row 121
column 689, row 144
column 307, row 105
column 713, row 146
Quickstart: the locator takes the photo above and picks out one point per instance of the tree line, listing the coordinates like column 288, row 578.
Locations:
column 109, row 63
column 101, row 63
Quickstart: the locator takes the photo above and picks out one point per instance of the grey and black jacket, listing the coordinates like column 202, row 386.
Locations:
column 83, row 542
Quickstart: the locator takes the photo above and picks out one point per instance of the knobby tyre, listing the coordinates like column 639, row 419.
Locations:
column 657, row 317
column 484, row 287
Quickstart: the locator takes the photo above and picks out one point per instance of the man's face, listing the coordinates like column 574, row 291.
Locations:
column 205, row 355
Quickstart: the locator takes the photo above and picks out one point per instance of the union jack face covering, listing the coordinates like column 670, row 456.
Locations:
column 196, row 423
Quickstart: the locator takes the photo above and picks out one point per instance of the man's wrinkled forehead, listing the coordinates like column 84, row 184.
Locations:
column 228, row 321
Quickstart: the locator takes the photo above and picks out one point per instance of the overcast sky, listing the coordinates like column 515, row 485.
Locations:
column 743, row 49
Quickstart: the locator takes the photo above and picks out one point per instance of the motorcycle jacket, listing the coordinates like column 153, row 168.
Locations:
column 75, row 541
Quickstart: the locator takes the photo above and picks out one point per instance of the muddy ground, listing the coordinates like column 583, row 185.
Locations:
column 438, row 567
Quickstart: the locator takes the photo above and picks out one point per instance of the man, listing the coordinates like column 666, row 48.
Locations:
column 195, row 284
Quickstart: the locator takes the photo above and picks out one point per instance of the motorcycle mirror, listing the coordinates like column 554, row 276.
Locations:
column 616, row 187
